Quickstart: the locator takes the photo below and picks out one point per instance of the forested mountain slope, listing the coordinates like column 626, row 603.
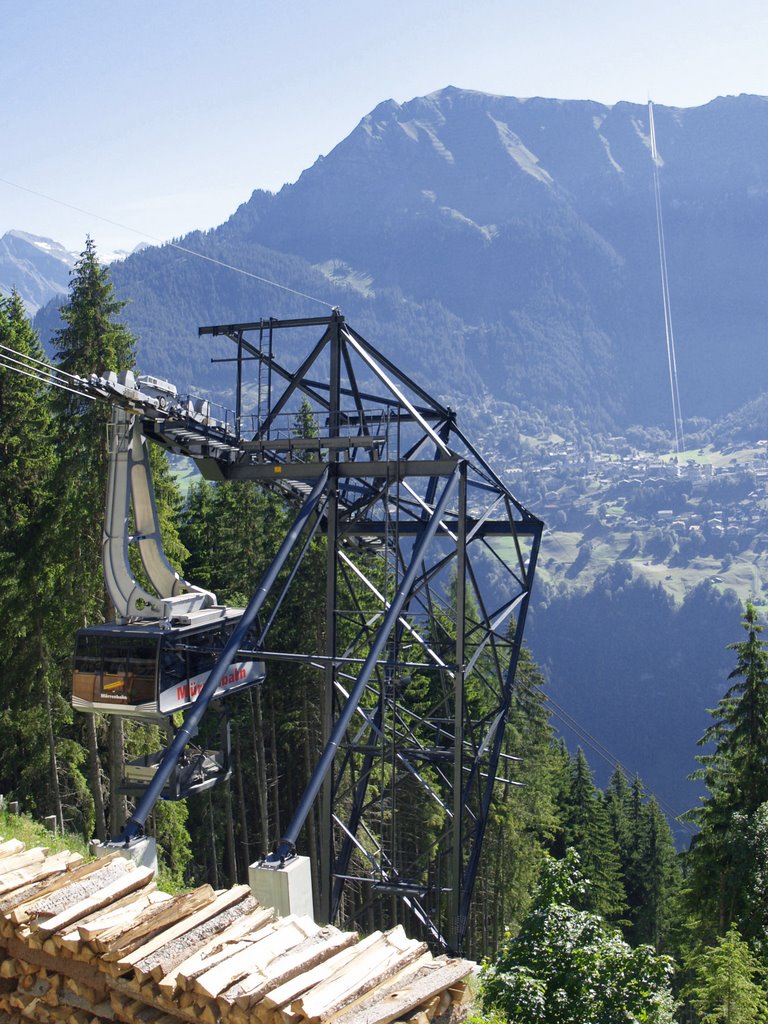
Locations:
column 505, row 251
column 517, row 241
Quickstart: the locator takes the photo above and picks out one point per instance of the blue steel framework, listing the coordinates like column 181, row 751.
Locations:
column 430, row 564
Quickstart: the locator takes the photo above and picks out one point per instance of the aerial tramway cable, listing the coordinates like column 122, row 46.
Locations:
column 677, row 414
column 172, row 245
column 49, row 375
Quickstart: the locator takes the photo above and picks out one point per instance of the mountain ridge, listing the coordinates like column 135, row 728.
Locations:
column 505, row 252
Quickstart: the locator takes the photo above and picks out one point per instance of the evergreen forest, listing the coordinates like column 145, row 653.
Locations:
column 584, row 909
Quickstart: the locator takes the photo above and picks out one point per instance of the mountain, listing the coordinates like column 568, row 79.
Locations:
column 533, row 221
column 505, row 252
column 38, row 268
column 513, row 244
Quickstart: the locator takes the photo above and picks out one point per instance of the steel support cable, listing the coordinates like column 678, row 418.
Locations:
column 49, row 381
column 602, row 751
column 161, row 242
column 45, row 373
column 668, row 329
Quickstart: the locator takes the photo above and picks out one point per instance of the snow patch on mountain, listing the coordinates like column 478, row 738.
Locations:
column 488, row 231
column 339, row 272
column 412, row 129
column 523, row 157
column 36, row 267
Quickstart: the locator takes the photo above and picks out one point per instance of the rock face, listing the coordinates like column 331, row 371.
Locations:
column 38, row 268
column 539, row 215
column 522, row 233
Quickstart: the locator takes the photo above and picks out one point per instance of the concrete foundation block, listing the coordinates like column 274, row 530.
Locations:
column 287, row 887
column 143, row 852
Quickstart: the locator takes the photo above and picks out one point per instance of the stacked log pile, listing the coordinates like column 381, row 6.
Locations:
column 85, row 942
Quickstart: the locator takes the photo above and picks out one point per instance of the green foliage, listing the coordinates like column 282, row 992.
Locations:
column 724, row 887
column 168, row 824
column 566, row 966
column 735, row 772
column 32, row 833
column 648, row 861
column 729, row 982
column 587, row 828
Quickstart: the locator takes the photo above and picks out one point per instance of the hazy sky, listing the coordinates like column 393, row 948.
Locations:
column 164, row 115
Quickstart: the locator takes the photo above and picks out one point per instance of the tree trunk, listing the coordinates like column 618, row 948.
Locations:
column 94, row 772
column 118, row 803
column 243, row 813
column 230, row 834
column 214, row 873
column 275, row 766
column 311, row 820
column 259, row 753
column 55, row 789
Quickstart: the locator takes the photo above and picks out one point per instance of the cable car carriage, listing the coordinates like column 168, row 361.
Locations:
column 155, row 661
column 148, row 671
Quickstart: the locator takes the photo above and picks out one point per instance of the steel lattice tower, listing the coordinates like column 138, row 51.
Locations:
column 430, row 564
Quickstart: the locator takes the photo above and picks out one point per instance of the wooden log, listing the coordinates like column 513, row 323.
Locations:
column 23, row 859
column 91, row 876
column 128, row 988
column 215, row 950
column 422, row 991
column 120, row 915
column 369, row 997
column 180, row 949
column 460, row 993
column 9, row 968
column 50, row 872
column 128, row 882
column 10, row 847
column 219, row 903
column 36, row 872
column 420, row 1017
column 290, row 990
column 388, row 957
column 299, row 960
column 254, row 954
column 30, row 959
column 159, row 918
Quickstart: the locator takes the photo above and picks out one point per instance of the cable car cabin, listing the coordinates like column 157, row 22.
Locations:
column 142, row 670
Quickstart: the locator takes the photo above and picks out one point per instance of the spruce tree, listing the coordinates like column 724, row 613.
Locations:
column 659, row 875
column 34, row 765
column 738, row 770
column 729, row 983
column 588, row 831
column 736, row 776
column 92, row 340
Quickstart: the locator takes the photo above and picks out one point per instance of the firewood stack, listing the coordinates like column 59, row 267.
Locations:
column 85, row 942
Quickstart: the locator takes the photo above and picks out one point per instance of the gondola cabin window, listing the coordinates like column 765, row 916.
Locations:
column 150, row 670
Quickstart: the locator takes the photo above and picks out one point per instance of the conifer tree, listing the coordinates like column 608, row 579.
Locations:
column 736, row 772
column 587, row 828
column 31, row 709
column 736, row 776
column 729, row 983
column 658, row 871
column 92, row 340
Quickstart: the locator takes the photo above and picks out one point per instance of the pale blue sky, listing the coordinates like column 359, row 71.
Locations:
column 164, row 115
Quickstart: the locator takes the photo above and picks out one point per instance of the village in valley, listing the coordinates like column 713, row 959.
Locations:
column 678, row 522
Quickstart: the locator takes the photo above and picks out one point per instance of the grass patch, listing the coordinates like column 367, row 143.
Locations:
column 32, row 833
